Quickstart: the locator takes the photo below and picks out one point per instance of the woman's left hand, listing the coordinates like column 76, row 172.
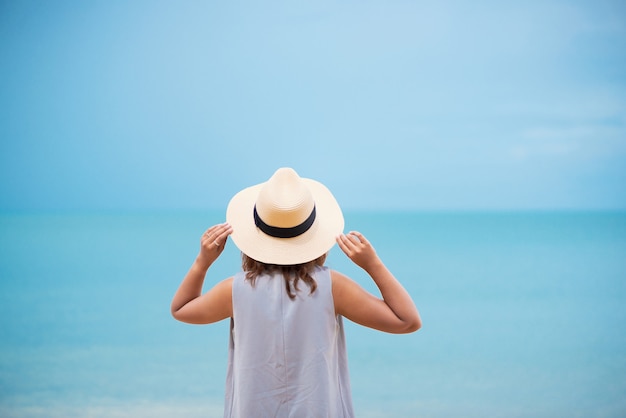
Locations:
column 359, row 250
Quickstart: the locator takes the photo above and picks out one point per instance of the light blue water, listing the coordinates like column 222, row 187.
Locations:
column 524, row 316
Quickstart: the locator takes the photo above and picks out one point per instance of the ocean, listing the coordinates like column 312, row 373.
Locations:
column 524, row 315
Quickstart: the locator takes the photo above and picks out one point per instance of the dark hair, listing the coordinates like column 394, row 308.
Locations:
column 298, row 272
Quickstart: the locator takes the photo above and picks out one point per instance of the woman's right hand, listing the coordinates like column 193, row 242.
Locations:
column 213, row 242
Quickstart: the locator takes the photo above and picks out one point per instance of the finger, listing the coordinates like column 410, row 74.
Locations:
column 346, row 244
column 340, row 243
column 353, row 238
column 220, row 237
column 352, row 241
column 206, row 238
column 223, row 234
column 360, row 237
column 216, row 245
column 215, row 230
column 343, row 238
column 209, row 231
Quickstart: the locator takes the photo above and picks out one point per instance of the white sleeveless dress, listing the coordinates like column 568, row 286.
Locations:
column 287, row 358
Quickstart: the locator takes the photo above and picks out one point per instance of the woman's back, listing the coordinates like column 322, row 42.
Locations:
column 287, row 358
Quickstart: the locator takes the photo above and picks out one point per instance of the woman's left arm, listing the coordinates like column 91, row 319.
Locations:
column 189, row 305
column 395, row 312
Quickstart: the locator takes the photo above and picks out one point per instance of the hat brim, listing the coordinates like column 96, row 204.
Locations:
column 315, row 242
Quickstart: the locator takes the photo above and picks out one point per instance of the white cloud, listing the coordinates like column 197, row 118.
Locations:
column 578, row 141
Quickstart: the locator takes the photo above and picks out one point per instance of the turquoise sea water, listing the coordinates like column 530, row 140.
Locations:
column 524, row 316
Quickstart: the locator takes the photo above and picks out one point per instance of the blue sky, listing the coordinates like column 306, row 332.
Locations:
column 454, row 105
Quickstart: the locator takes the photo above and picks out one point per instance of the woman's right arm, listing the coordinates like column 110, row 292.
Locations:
column 395, row 312
column 189, row 304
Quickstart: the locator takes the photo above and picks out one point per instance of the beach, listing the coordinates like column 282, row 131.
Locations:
column 521, row 312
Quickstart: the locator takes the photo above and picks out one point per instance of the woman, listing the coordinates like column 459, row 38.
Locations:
column 287, row 353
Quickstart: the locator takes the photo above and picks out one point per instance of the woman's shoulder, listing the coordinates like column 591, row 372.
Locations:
column 321, row 272
column 337, row 276
column 341, row 284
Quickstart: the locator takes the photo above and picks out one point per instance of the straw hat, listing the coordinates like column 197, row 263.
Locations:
column 286, row 220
